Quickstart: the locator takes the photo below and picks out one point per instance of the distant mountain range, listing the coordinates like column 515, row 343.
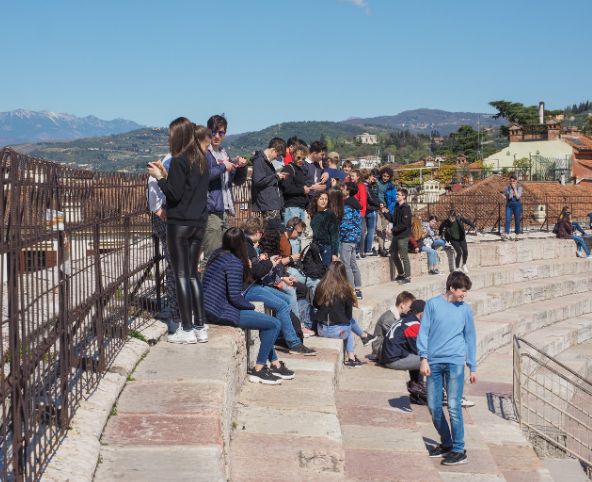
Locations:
column 24, row 126
column 424, row 121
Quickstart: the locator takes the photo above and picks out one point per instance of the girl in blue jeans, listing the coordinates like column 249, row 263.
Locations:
column 334, row 301
column 226, row 273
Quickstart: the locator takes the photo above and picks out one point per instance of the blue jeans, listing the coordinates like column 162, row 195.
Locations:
column 513, row 208
column 438, row 243
column 343, row 332
column 433, row 259
column 301, row 278
column 361, row 246
column 275, row 300
column 577, row 227
column 269, row 329
column 290, row 213
column 326, row 253
column 453, row 376
column 371, row 218
column 581, row 244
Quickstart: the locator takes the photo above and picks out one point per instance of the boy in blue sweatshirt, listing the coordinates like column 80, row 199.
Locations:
column 446, row 341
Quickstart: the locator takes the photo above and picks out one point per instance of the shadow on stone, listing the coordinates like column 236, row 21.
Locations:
column 401, row 403
column 501, row 405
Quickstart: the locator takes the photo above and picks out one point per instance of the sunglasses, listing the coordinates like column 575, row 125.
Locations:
column 218, row 133
column 299, row 158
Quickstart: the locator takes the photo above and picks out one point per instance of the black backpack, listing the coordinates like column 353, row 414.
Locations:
column 312, row 263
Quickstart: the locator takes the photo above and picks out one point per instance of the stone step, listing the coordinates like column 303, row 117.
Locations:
column 483, row 253
column 173, row 419
column 291, row 431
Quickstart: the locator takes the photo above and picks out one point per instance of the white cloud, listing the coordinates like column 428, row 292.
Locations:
column 363, row 4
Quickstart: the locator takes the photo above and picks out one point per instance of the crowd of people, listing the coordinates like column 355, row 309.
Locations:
column 299, row 259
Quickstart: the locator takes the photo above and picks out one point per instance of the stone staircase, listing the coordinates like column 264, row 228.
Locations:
column 187, row 415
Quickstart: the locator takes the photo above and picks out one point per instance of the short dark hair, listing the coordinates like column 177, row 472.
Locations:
column 251, row 225
column 278, row 144
column 458, row 280
column 404, row 192
column 317, row 146
column 386, row 170
column 513, row 178
column 217, row 121
column 292, row 141
column 433, row 217
column 374, row 172
column 347, row 162
column 352, row 188
column 294, row 222
column 403, row 297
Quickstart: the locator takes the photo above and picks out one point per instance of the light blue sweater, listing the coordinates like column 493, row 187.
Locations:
column 447, row 333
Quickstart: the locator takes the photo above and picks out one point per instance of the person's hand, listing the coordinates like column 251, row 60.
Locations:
column 424, row 368
column 324, row 177
column 157, row 170
column 240, row 161
column 473, row 377
column 417, row 250
column 296, row 256
column 161, row 213
column 263, row 257
column 334, row 258
column 334, row 182
column 318, row 187
column 306, row 189
column 282, row 175
column 276, row 259
column 229, row 165
column 384, row 210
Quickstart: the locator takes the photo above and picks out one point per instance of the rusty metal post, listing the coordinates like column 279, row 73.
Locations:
column 126, row 274
column 99, row 324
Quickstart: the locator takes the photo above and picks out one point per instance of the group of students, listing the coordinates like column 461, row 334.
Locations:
column 190, row 197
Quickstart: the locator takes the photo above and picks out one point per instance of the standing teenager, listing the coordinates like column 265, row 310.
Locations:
column 185, row 187
column 447, row 341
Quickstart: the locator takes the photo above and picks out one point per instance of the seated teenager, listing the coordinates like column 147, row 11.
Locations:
column 420, row 241
column 271, row 297
column 399, row 351
column 388, row 319
column 334, row 301
column 225, row 275
column 565, row 230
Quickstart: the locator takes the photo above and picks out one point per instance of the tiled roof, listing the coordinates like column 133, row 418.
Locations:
column 578, row 141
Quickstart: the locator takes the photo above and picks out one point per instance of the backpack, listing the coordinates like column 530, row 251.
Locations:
column 312, row 263
column 350, row 229
column 556, row 228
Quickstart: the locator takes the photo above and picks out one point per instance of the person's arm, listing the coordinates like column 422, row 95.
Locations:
column 261, row 180
column 423, row 340
column 173, row 186
column 155, row 196
column 288, row 185
column 234, row 280
column 215, row 169
column 240, row 175
column 470, row 336
column 467, row 222
column 518, row 192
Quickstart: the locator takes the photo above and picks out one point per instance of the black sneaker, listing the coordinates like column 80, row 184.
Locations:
column 439, row 451
column 399, row 277
column 404, row 281
column 384, row 253
column 355, row 363
column 282, row 371
column 366, row 340
column 302, row 350
column 417, row 400
column 359, row 294
column 264, row 376
column 455, row 458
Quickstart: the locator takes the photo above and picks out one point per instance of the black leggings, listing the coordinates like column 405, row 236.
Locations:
column 461, row 249
column 184, row 243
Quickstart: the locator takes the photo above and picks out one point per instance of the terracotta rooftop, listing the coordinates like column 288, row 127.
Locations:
column 578, row 141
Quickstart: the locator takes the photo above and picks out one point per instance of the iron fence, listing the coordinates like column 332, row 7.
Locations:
column 553, row 403
column 488, row 212
column 78, row 268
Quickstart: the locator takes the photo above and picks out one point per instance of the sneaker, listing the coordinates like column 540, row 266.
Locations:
column 455, row 458
column 580, row 254
column 302, row 350
column 465, row 268
column 589, row 257
column 505, row 237
column 384, row 253
column 362, row 255
column 465, row 402
column 405, row 281
column 264, row 376
column 399, row 277
column 201, row 334
column 366, row 340
column 282, row 371
column 182, row 337
column 355, row 363
column 371, row 253
column 439, row 451
column 415, row 399
column 307, row 333
column 359, row 294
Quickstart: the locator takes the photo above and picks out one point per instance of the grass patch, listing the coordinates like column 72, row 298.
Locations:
column 138, row 335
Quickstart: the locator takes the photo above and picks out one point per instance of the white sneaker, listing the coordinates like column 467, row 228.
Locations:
column 589, row 257
column 465, row 268
column 505, row 237
column 182, row 337
column 201, row 334
column 466, row 403
column 580, row 254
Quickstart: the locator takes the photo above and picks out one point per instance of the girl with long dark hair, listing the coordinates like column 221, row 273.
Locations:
column 325, row 228
column 226, row 275
column 334, row 300
column 185, row 187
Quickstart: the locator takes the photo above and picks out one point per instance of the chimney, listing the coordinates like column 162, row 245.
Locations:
column 541, row 112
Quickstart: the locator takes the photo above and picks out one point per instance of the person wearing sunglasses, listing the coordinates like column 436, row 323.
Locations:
column 224, row 173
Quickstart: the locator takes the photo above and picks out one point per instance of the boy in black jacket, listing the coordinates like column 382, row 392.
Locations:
column 401, row 230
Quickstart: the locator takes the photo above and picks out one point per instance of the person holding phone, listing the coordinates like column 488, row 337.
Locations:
column 224, row 173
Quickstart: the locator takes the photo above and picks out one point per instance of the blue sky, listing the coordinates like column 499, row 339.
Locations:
column 262, row 62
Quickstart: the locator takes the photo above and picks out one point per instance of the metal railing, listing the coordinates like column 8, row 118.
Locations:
column 78, row 269
column 553, row 403
column 489, row 213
